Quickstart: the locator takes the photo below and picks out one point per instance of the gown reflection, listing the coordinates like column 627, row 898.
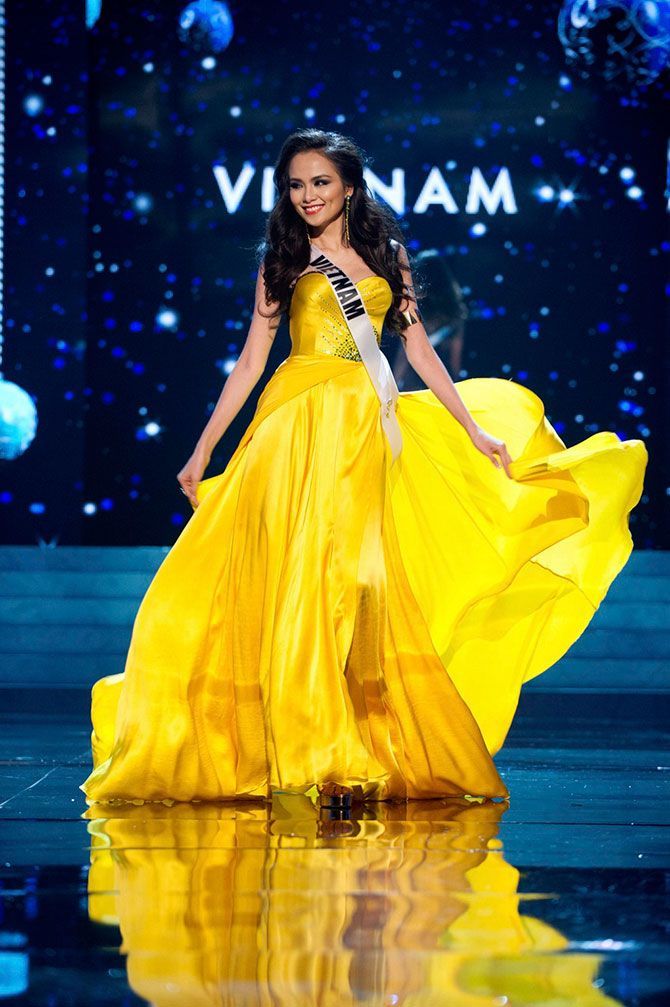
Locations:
column 247, row 903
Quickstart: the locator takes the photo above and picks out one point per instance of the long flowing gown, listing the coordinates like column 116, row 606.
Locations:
column 327, row 615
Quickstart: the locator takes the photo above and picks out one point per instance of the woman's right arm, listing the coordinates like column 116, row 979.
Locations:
column 239, row 384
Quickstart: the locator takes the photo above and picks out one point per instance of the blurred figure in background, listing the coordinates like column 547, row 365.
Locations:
column 444, row 313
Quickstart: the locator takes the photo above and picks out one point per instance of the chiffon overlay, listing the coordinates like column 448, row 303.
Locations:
column 327, row 615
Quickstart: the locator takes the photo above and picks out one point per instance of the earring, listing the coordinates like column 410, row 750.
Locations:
column 347, row 201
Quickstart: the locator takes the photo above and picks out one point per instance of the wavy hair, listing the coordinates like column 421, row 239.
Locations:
column 284, row 252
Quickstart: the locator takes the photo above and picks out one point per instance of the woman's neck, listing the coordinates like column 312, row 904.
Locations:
column 326, row 251
column 329, row 240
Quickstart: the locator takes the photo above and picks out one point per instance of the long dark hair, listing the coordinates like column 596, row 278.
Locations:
column 443, row 299
column 284, row 251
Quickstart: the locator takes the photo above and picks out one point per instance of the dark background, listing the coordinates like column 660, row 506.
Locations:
column 111, row 186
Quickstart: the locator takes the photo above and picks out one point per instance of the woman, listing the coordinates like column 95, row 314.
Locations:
column 356, row 600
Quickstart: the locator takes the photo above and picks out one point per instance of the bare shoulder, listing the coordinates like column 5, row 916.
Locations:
column 305, row 272
column 408, row 306
column 400, row 252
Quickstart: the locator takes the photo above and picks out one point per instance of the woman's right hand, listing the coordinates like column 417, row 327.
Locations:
column 191, row 474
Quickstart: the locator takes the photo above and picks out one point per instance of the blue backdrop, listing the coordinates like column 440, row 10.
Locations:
column 527, row 147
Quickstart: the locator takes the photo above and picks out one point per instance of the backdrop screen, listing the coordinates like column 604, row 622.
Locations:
column 139, row 149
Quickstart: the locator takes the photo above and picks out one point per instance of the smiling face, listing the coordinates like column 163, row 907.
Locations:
column 317, row 191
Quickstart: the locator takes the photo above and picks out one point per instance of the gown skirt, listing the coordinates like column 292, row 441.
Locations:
column 327, row 615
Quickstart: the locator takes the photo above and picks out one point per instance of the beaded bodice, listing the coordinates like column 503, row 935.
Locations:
column 316, row 322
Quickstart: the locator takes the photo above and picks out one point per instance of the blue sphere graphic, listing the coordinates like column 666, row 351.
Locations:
column 206, row 25
column 624, row 39
column 18, row 420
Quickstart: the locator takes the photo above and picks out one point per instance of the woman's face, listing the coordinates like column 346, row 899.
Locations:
column 317, row 191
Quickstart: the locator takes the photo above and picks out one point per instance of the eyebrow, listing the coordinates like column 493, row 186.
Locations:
column 314, row 177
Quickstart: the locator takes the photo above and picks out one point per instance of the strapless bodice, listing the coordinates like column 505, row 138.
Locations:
column 316, row 322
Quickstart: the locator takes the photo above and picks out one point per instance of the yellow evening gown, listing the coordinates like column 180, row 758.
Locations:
column 325, row 615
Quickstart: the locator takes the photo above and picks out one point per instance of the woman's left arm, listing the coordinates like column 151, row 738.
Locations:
column 425, row 361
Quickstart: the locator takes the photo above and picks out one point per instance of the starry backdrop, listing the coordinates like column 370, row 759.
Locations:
column 136, row 140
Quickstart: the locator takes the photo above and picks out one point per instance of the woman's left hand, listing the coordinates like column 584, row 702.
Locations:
column 492, row 446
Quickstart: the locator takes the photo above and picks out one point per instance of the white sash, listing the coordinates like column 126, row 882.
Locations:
column 360, row 326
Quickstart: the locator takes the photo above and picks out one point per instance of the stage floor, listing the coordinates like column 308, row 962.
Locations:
column 559, row 898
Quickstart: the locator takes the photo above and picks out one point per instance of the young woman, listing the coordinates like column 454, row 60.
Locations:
column 358, row 597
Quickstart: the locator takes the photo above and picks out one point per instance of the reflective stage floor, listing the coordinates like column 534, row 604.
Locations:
column 559, row 898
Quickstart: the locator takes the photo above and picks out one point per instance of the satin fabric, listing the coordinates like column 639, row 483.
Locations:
column 268, row 906
column 360, row 326
column 324, row 615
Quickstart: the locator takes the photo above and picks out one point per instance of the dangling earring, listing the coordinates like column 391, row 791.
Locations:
column 347, row 201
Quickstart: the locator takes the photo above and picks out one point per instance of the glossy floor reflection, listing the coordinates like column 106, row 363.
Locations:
column 558, row 899
column 405, row 905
